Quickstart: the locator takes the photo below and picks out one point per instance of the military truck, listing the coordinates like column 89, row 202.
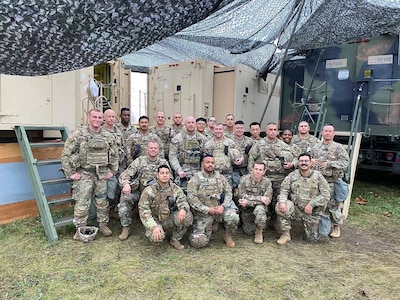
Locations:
column 354, row 86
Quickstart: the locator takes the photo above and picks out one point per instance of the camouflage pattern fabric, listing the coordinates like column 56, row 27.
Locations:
column 225, row 154
column 256, row 213
column 165, row 134
column 229, row 135
column 204, row 191
column 155, row 210
column 139, row 141
column 177, row 129
column 126, row 131
column 305, row 144
column 334, row 207
column 243, row 145
column 186, row 151
column 301, row 190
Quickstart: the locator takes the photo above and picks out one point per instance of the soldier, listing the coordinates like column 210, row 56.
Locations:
column 287, row 136
column 255, row 131
column 136, row 145
column 177, row 125
column 186, row 150
column 229, row 123
column 308, row 192
column 224, row 152
column 243, row 144
column 276, row 156
column 201, row 124
column 164, row 210
column 164, row 132
column 134, row 180
column 125, row 125
column 255, row 193
column 303, row 139
column 331, row 159
column 89, row 158
column 209, row 131
column 112, row 183
column 210, row 197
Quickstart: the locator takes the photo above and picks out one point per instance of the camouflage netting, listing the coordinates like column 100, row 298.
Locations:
column 51, row 36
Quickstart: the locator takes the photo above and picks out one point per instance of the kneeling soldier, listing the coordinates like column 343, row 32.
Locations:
column 163, row 210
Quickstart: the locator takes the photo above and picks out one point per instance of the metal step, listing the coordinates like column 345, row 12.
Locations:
column 41, row 128
column 61, row 200
column 44, row 144
column 63, row 221
column 56, row 181
column 47, row 162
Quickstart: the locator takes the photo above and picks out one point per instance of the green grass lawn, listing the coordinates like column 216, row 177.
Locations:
column 363, row 264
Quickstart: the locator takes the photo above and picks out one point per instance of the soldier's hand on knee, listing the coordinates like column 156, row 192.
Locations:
column 308, row 209
column 126, row 189
column 219, row 210
column 211, row 211
column 181, row 215
column 157, row 233
column 243, row 202
column 265, row 200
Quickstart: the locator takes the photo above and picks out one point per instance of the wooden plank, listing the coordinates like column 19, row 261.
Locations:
column 22, row 210
column 11, row 152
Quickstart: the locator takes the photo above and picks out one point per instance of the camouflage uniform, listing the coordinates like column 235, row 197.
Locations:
column 269, row 153
column 256, row 213
column 337, row 160
column 229, row 134
column 137, row 175
column 302, row 190
column 185, row 154
column 126, row 131
column 177, row 129
column 296, row 151
column 208, row 134
column 243, row 145
column 92, row 155
column 159, row 206
column 225, row 154
column 305, row 144
column 204, row 191
column 136, row 145
column 165, row 134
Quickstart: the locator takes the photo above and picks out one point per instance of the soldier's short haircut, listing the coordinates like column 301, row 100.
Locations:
column 290, row 130
column 95, row 109
column 271, row 123
column 305, row 154
column 239, row 122
column 328, row 124
column 259, row 162
column 144, row 117
column 124, row 109
column 229, row 115
column 254, row 123
column 206, row 155
column 164, row 166
column 201, row 119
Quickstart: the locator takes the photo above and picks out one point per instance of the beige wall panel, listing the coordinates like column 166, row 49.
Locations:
column 224, row 92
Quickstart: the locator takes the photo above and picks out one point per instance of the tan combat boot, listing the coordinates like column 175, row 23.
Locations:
column 285, row 237
column 258, row 238
column 76, row 235
column 176, row 244
column 126, row 230
column 104, row 230
column 335, row 232
column 228, row 239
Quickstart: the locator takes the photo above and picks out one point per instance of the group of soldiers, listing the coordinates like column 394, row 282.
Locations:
column 201, row 173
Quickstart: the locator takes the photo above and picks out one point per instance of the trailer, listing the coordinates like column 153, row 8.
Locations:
column 354, row 86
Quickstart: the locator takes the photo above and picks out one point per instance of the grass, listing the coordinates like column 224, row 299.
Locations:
column 362, row 264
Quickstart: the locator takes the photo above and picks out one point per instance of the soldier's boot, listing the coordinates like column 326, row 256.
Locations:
column 335, row 232
column 104, row 230
column 126, row 230
column 228, row 239
column 285, row 237
column 258, row 237
column 176, row 244
column 76, row 235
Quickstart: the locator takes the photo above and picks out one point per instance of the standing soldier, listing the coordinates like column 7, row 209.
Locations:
column 243, row 144
column 209, row 132
column 331, row 159
column 308, row 192
column 164, row 132
column 229, row 123
column 112, row 183
column 163, row 210
column 186, row 150
column 201, row 124
column 276, row 156
column 134, row 180
column 210, row 197
column 136, row 145
column 224, row 152
column 125, row 125
column 255, row 131
column 89, row 158
column 255, row 193
column 287, row 137
column 177, row 125
column 303, row 138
